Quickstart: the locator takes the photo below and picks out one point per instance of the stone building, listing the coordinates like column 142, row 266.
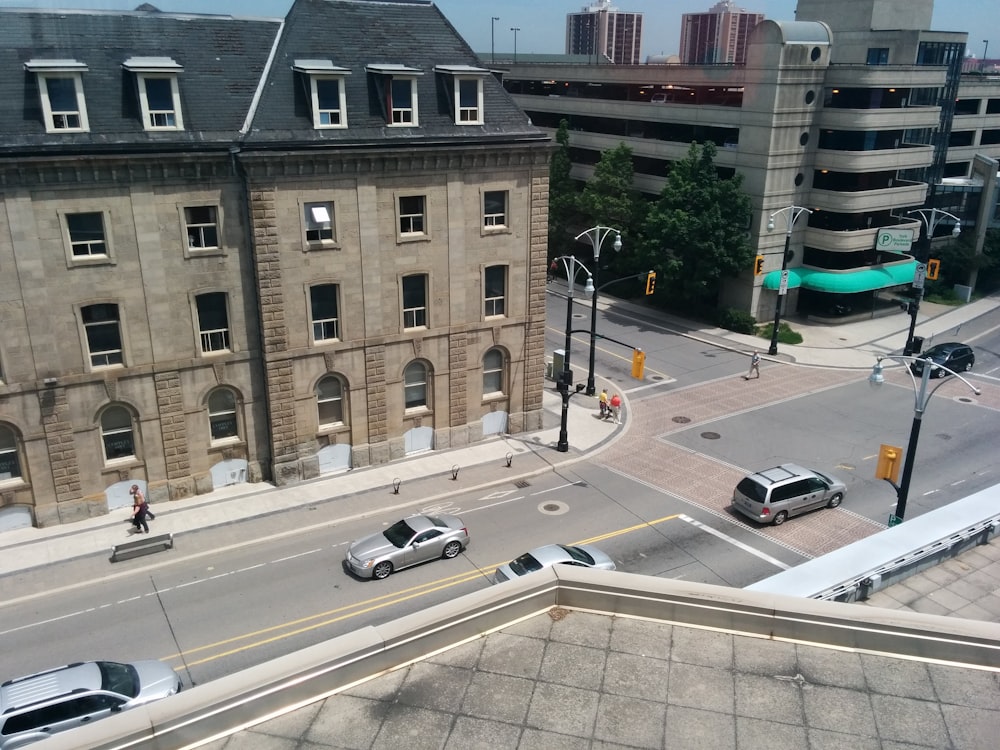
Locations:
column 235, row 251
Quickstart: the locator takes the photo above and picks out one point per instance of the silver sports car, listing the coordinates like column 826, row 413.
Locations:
column 554, row 554
column 408, row 542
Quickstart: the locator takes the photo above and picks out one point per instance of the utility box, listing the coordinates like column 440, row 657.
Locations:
column 558, row 363
column 918, row 345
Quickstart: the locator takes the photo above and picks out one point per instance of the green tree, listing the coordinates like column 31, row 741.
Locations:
column 695, row 235
column 563, row 196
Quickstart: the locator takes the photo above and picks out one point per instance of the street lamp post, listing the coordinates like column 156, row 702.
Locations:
column 493, row 50
column 571, row 265
column 986, row 46
column 920, row 399
column 596, row 235
column 794, row 212
column 515, row 29
column 930, row 217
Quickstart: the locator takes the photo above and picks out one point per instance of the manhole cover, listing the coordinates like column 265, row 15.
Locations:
column 553, row 508
column 711, row 435
column 579, row 316
column 681, row 420
column 964, row 399
column 943, row 436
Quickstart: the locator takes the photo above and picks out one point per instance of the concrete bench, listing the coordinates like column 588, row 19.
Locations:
column 144, row 546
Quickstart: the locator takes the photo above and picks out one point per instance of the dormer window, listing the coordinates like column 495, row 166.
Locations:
column 325, row 92
column 159, row 96
column 398, row 89
column 60, row 85
column 465, row 92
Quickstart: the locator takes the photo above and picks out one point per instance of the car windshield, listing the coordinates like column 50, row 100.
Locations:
column 399, row 534
column 577, row 554
column 119, row 678
column 826, row 480
column 525, row 564
column 752, row 490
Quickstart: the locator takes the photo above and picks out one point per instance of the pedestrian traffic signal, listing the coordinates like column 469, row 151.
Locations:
column 888, row 462
column 650, row 282
column 758, row 265
column 638, row 363
column 933, row 268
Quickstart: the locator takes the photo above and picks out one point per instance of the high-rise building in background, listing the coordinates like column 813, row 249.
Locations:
column 718, row 36
column 604, row 32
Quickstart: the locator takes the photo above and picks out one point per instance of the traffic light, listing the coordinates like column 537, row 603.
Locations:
column 888, row 462
column 933, row 268
column 650, row 282
column 758, row 265
column 638, row 363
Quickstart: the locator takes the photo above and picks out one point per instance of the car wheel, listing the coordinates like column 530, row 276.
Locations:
column 382, row 570
column 780, row 518
column 968, row 366
column 451, row 549
column 834, row 501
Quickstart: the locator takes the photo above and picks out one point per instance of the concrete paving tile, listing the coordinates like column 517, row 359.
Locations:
column 353, row 721
column 889, row 745
column 578, row 666
column 758, row 696
column 948, row 599
column 839, row 710
column 294, row 724
column 630, row 721
column 582, row 629
column 434, row 686
column 900, row 677
column 406, row 726
column 752, row 734
column 465, row 656
column 966, row 589
column 824, row 666
column 909, row 720
column 382, row 688
column 498, row 697
column 928, row 606
column 252, row 740
column 564, row 710
column 991, row 604
column 641, row 637
column 821, row 739
column 534, row 627
column 940, row 575
column 764, row 657
column 974, row 612
column 705, row 647
column 636, row 676
column 534, row 739
column 701, row 687
column 966, row 687
column 972, row 728
column 694, row 729
column 919, row 583
column 887, row 600
column 478, row 734
column 512, row 654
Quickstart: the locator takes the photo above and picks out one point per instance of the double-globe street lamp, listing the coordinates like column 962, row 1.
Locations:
column 794, row 212
column 565, row 379
column 920, row 399
column 597, row 235
column 493, row 52
column 930, row 217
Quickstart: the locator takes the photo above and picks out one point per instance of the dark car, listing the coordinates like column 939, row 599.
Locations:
column 954, row 356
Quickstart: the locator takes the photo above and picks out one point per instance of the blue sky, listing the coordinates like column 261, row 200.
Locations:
column 542, row 23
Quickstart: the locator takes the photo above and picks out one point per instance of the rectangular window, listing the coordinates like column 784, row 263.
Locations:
column 319, row 222
column 213, row 322
column 415, row 301
column 411, row 215
column 402, row 101
column 104, row 339
column 160, row 102
column 328, row 102
column 201, row 224
column 65, row 103
column 469, row 98
column 878, row 56
column 494, row 209
column 323, row 304
column 495, row 286
column 86, row 234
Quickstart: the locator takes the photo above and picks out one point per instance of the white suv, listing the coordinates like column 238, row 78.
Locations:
column 39, row 705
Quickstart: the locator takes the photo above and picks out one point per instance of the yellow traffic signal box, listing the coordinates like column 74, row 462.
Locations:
column 650, row 282
column 638, row 363
column 758, row 265
column 933, row 269
column 890, row 457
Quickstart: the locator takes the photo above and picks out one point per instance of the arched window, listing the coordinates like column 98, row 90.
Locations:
column 493, row 372
column 330, row 401
column 117, row 433
column 222, row 419
column 415, row 385
column 10, row 466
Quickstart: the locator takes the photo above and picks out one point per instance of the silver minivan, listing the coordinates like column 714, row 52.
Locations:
column 774, row 495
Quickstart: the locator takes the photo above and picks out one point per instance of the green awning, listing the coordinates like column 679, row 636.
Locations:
column 845, row 282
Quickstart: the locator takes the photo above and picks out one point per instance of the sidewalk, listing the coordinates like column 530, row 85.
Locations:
column 428, row 478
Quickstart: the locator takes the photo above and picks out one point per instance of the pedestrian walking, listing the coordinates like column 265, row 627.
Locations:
column 604, row 403
column 754, row 365
column 616, row 406
column 551, row 275
column 140, row 510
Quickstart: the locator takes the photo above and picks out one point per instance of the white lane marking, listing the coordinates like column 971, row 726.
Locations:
column 493, row 505
column 280, row 559
column 735, row 542
column 659, row 384
column 559, row 487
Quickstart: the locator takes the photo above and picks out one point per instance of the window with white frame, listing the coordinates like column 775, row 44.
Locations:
column 328, row 102
column 493, row 372
column 324, row 308
column 201, row 224
column 60, row 86
column 415, row 301
column 102, row 327
column 330, row 401
column 10, row 462
column 415, row 385
column 319, row 221
column 494, row 291
column 468, row 101
column 86, row 234
column 213, row 322
column 117, row 434
column 223, row 422
column 412, row 219
column 494, row 209
column 159, row 95
column 403, row 101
